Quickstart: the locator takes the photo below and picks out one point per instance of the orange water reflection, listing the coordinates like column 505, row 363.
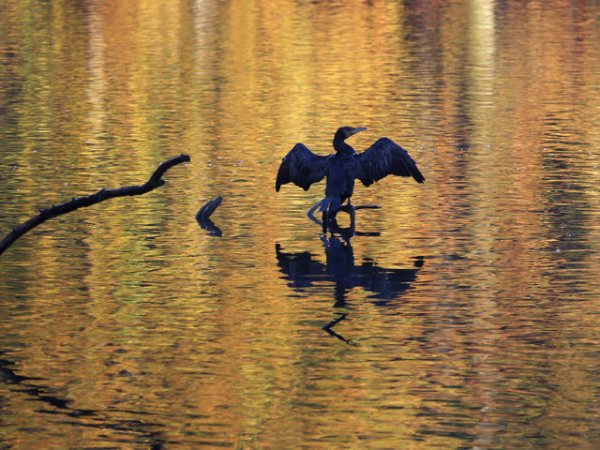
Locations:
column 154, row 333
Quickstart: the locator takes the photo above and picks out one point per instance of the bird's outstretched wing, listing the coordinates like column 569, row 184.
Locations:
column 301, row 167
column 385, row 157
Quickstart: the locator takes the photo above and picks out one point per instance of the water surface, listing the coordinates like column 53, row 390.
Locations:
column 472, row 300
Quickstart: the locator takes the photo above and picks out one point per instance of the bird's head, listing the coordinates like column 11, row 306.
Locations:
column 344, row 133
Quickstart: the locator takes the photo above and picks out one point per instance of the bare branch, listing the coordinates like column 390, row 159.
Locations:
column 81, row 202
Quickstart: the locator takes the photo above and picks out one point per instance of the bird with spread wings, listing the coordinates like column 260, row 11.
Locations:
column 303, row 168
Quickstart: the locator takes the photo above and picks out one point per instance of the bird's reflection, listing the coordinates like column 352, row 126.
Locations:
column 303, row 270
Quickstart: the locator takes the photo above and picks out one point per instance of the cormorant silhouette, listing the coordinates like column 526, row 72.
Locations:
column 303, row 168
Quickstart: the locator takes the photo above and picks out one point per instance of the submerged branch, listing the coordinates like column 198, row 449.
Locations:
column 203, row 216
column 45, row 214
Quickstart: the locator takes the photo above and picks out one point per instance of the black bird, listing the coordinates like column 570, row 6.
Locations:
column 303, row 168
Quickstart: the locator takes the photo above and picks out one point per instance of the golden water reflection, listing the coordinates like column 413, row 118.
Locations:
column 138, row 329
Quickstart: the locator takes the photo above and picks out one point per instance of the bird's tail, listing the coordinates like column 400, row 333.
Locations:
column 330, row 204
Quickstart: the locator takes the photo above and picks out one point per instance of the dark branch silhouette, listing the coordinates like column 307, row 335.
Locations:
column 45, row 214
column 203, row 216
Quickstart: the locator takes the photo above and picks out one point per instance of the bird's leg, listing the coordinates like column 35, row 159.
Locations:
column 311, row 212
column 348, row 207
column 333, row 225
column 325, row 221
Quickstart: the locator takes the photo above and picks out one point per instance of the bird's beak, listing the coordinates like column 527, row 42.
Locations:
column 357, row 130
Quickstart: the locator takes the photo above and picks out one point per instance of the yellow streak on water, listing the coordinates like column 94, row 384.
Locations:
column 130, row 310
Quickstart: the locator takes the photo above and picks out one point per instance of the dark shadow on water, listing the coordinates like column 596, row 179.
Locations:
column 329, row 328
column 141, row 430
column 303, row 271
column 210, row 227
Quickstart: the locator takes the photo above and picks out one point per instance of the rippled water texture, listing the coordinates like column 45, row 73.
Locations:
column 472, row 301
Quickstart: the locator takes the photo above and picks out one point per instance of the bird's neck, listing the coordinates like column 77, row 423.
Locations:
column 341, row 147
